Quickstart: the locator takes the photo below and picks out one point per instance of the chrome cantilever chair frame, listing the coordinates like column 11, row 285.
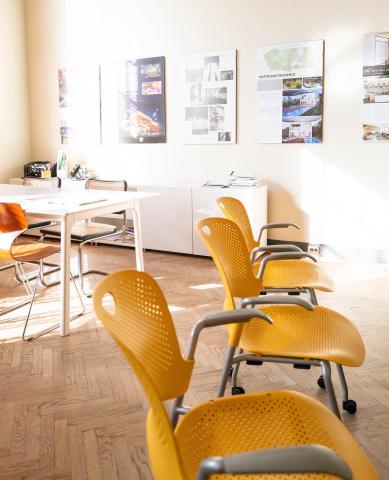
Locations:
column 93, row 184
column 15, row 224
column 41, row 183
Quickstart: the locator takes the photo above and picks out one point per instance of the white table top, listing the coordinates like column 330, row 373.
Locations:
column 62, row 202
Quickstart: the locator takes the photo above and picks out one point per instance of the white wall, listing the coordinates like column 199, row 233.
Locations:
column 14, row 112
column 337, row 191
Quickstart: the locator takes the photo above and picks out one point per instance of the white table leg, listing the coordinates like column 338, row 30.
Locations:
column 138, row 237
column 66, row 227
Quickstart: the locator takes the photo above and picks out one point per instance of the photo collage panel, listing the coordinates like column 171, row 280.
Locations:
column 210, row 98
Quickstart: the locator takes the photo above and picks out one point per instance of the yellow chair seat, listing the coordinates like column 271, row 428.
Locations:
column 296, row 332
column 267, row 420
column 295, row 274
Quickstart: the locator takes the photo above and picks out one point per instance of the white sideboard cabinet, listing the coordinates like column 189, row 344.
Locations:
column 169, row 220
column 204, row 205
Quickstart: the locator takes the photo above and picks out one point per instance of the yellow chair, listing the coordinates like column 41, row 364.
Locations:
column 13, row 223
column 271, row 432
column 300, row 337
column 293, row 269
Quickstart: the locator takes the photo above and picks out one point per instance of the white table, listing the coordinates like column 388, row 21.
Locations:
column 69, row 206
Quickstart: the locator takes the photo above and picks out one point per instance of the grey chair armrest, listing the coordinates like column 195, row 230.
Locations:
column 301, row 459
column 272, row 249
column 283, row 256
column 222, row 318
column 276, row 300
column 269, row 226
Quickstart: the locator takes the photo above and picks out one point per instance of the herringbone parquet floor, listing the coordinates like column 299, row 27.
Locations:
column 71, row 409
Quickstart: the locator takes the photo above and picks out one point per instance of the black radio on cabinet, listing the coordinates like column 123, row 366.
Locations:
column 37, row 169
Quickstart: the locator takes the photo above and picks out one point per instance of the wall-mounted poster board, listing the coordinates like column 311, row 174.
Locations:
column 376, row 86
column 79, row 105
column 290, row 93
column 141, row 89
column 210, row 98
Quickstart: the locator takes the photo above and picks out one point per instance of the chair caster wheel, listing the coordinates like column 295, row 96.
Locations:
column 320, row 382
column 237, row 390
column 350, row 406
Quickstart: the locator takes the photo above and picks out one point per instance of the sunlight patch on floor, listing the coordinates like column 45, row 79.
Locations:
column 207, row 286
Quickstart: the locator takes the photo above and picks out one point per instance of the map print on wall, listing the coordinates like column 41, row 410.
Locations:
column 141, row 90
column 376, row 86
column 210, row 98
column 290, row 93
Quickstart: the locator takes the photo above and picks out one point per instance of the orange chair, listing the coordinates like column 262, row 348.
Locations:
column 34, row 222
column 274, row 435
column 13, row 223
column 300, row 337
column 294, row 270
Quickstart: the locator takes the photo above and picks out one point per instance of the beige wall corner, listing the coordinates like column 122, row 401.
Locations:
column 14, row 111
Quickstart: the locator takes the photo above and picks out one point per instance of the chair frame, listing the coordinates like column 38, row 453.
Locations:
column 31, row 291
column 232, row 360
column 117, row 233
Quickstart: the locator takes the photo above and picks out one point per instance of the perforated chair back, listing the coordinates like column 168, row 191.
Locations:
column 226, row 244
column 51, row 182
column 228, row 249
column 12, row 224
column 142, row 327
column 114, row 185
column 234, row 210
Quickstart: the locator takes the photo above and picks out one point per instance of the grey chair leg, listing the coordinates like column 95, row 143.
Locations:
column 82, row 273
column 53, row 327
column 28, row 290
column 235, row 370
column 343, row 382
column 175, row 413
column 312, row 296
column 326, row 370
column 6, row 267
column 226, row 371
column 349, row 405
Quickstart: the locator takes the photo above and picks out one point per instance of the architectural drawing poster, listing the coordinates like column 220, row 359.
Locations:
column 290, row 93
column 210, row 98
column 376, row 86
column 141, row 89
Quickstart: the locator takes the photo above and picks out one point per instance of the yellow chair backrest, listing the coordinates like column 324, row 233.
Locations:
column 234, row 210
column 227, row 246
column 142, row 327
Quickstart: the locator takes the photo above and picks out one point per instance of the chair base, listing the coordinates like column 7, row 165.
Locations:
column 49, row 329
column 233, row 361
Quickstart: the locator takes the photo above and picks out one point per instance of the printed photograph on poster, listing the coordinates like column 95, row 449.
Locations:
column 141, row 91
column 376, row 86
column 63, row 102
column 210, row 98
column 290, row 93
column 79, row 105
